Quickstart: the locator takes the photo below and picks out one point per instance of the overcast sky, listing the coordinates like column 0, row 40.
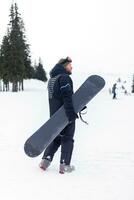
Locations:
column 96, row 34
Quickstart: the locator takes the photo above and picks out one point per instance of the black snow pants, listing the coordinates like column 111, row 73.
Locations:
column 114, row 95
column 66, row 141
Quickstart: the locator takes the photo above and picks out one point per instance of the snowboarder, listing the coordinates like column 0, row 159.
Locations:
column 60, row 90
column 114, row 90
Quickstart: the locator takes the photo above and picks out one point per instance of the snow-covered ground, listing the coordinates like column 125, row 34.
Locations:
column 103, row 153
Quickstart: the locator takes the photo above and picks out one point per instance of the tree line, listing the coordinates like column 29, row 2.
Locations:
column 15, row 58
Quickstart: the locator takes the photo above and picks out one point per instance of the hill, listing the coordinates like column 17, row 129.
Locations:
column 103, row 153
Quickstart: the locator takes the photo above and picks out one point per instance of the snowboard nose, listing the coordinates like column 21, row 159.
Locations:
column 30, row 150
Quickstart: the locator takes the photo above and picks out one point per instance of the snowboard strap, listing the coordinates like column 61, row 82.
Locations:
column 83, row 113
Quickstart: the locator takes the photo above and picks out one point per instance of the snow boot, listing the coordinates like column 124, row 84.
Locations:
column 66, row 168
column 44, row 164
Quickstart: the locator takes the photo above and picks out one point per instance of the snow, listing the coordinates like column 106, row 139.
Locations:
column 103, row 153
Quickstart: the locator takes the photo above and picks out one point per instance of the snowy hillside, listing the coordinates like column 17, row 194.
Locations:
column 103, row 153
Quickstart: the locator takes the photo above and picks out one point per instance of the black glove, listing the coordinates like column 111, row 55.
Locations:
column 72, row 117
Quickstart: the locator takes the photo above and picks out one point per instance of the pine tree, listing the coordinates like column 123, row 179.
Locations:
column 40, row 73
column 5, row 62
column 18, row 51
column 17, row 66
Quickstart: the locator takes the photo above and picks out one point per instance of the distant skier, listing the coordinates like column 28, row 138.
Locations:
column 114, row 88
column 60, row 89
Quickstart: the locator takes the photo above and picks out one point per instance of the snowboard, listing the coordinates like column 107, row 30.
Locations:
column 39, row 141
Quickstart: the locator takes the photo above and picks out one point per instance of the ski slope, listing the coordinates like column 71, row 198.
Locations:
column 103, row 153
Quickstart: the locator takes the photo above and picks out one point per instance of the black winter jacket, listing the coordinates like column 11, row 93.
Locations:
column 60, row 89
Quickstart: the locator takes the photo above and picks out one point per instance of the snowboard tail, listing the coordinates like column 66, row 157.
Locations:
column 37, row 142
